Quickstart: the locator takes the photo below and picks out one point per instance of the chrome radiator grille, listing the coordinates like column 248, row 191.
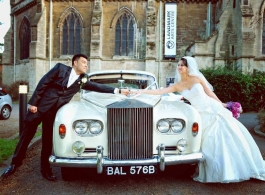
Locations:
column 130, row 130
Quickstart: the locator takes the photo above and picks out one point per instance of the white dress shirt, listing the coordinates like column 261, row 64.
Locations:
column 72, row 78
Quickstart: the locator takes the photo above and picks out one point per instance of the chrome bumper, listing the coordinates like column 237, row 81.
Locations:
column 99, row 162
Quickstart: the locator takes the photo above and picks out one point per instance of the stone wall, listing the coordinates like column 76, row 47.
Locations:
column 60, row 10
column 238, row 27
column 110, row 15
column 7, row 54
column 190, row 24
column 30, row 15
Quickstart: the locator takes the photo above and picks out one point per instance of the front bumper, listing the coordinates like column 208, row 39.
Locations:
column 99, row 162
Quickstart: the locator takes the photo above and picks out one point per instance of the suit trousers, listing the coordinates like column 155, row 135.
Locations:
column 31, row 123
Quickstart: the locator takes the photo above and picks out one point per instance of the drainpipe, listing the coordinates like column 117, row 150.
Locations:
column 50, row 36
column 208, row 21
column 160, row 42
column 14, row 52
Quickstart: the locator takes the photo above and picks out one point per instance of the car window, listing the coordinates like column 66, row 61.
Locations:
column 126, row 80
column 176, row 93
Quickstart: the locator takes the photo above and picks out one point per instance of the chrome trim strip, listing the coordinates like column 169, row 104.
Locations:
column 100, row 159
column 161, row 153
column 99, row 164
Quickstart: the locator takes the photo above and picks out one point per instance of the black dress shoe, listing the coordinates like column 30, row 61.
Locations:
column 47, row 174
column 9, row 171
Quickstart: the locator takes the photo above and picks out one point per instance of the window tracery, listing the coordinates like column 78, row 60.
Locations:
column 125, row 35
column 71, row 34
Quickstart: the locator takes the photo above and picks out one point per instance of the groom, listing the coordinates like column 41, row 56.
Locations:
column 55, row 89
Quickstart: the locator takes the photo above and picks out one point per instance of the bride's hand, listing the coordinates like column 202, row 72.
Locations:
column 224, row 105
column 135, row 92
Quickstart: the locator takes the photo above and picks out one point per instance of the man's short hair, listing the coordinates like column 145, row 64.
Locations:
column 77, row 56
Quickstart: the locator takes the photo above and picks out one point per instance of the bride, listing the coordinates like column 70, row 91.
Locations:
column 231, row 154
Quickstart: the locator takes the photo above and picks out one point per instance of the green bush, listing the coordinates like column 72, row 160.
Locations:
column 258, row 90
column 261, row 118
column 232, row 85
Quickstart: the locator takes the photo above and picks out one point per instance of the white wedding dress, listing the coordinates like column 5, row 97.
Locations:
column 231, row 154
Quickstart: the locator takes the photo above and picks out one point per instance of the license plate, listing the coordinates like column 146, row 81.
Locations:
column 131, row 170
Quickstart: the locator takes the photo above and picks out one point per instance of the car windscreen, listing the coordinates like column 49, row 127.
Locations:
column 125, row 80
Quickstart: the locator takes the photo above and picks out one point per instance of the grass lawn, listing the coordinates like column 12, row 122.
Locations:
column 7, row 147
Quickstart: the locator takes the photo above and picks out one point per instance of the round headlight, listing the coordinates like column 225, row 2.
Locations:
column 78, row 147
column 95, row 127
column 163, row 126
column 182, row 145
column 81, row 127
column 176, row 126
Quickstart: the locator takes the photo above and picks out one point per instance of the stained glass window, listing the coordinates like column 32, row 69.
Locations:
column 71, row 35
column 124, row 36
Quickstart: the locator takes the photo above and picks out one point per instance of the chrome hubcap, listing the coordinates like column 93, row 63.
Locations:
column 6, row 113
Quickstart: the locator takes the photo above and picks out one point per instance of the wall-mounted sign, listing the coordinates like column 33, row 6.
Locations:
column 170, row 30
column 170, row 81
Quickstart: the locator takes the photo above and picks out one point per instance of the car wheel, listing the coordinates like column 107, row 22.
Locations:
column 5, row 112
column 68, row 173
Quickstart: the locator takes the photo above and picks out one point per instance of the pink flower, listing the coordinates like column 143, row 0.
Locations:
column 235, row 108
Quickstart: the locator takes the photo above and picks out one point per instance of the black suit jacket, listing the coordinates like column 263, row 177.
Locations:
column 52, row 91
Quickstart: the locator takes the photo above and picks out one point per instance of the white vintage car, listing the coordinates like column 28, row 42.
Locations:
column 125, row 135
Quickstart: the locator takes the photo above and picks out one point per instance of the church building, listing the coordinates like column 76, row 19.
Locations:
column 149, row 35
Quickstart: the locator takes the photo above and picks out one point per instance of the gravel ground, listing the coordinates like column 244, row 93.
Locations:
column 27, row 180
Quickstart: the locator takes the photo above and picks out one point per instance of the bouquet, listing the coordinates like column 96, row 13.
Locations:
column 235, row 108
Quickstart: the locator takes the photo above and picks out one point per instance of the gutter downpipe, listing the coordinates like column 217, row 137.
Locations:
column 160, row 42
column 50, row 36
column 14, row 53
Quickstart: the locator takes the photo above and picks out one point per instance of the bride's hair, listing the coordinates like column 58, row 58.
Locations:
column 193, row 70
column 184, row 61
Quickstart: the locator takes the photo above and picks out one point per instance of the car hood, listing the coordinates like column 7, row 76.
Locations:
column 103, row 99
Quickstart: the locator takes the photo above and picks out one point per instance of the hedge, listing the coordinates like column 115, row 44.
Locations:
column 232, row 85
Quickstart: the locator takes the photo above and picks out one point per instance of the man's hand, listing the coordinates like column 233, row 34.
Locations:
column 32, row 109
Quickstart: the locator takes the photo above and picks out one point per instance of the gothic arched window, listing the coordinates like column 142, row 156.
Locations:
column 25, row 38
column 71, row 40
column 124, row 36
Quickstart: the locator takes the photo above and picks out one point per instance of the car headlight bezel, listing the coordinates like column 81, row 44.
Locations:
column 92, row 127
column 182, row 145
column 80, row 127
column 95, row 127
column 170, row 125
column 78, row 147
column 177, row 126
column 163, row 126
